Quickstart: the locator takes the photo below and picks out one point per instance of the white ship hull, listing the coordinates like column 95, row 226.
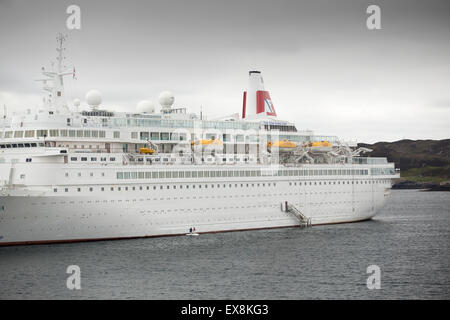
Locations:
column 31, row 218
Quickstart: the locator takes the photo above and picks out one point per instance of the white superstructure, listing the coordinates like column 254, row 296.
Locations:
column 73, row 176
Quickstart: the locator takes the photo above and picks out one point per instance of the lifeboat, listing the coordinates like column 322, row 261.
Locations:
column 285, row 145
column 319, row 146
column 146, row 151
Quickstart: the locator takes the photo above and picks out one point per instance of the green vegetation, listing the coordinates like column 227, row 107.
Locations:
column 427, row 174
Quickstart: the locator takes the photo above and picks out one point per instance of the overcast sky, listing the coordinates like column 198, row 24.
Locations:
column 324, row 69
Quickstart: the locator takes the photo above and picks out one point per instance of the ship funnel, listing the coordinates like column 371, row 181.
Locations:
column 256, row 100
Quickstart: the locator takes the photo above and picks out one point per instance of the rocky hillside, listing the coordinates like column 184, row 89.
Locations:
column 422, row 162
column 408, row 154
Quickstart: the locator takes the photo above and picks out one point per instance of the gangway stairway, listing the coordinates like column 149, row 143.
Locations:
column 303, row 220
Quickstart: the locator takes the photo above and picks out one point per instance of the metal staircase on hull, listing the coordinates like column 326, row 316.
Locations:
column 303, row 220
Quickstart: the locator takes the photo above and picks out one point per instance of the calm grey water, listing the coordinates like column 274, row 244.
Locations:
column 409, row 240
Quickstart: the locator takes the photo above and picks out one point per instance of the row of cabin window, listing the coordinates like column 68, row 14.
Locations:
column 247, row 173
column 88, row 134
column 178, row 136
column 57, row 133
column 91, row 174
column 382, row 171
column 199, row 186
column 165, row 160
column 338, row 182
column 212, row 186
column 92, row 159
column 143, row 135
column 21, row 145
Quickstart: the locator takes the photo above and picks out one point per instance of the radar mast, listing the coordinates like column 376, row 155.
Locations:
column 53, row 83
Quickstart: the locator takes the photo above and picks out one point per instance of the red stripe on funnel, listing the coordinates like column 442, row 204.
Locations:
column 261, row 97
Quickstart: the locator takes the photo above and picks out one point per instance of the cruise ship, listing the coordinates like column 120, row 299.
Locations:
column 68, row 175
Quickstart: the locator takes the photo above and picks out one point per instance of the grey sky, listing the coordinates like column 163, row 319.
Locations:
column 324, row 69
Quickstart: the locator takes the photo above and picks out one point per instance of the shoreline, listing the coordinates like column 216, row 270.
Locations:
column 425, row 186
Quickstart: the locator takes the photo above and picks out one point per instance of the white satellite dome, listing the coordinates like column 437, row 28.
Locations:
column 166, row 99
column 76, row 102
column 145, row 106
column 94, row 98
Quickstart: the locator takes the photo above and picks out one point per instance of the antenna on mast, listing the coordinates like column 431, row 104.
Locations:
column 60, row 40
column 53, row 82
